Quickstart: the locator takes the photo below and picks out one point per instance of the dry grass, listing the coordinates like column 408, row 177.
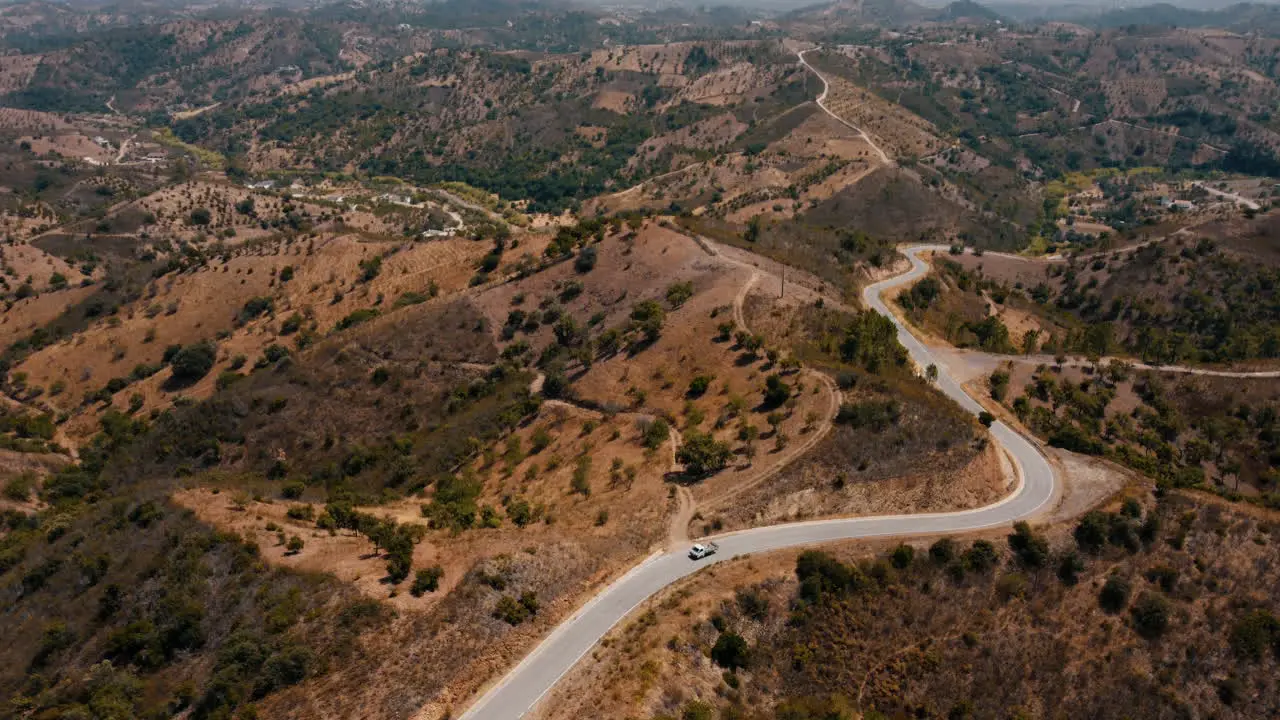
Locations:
column 926, row 640
column 201, row 304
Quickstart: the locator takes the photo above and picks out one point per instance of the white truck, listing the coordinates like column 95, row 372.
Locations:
column 701, row 550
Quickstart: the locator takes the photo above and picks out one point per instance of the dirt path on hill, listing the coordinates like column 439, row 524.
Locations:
column 884, row 157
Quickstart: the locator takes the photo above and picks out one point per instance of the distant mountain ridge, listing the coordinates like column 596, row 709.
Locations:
column 892, row 12
column 1239, row 17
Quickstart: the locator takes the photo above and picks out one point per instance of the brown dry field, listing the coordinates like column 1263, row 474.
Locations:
column 172, row 207
column 17, row 70
column 717, row 130
column 614, row 100
column 635, row 519
column 28, row 261
column 897, row 130
column 198, row 305
column 727, row 86
column 32, row 120
column 26, row 315
column 16, row 227
column 73, row 146
column 40, row 465
column 757, row 185
column 1004, row 268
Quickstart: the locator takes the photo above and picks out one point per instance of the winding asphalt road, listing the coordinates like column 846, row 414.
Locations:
column 522, row 688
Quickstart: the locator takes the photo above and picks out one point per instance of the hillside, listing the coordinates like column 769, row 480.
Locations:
column 348, row 350
column 1151, row 608
column 506, row 447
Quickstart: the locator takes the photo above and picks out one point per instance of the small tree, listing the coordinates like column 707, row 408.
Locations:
column 1151, row 615
column 942, row 551
column 1091, row 532
column 1069, row 569
column 776, row 391
column 586, row 260
column 981, row 556
column 1031, row 548
column 1114, row 595
column 701, row 454
column 699, row 385
column 581, row 482
column 426, row 580
column 903, row 555
column 656, row 433
column 731, row 651
column 295, row 545
column 193, row 362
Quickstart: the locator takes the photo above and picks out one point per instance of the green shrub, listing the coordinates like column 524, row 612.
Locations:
column 698, row 711
column 453, row 505
column 752, row 603
column 1163, row 575
column 426, row 580
column 540, row 440
column 581, row 482
column 1253, row 633
column 1091, row 532
column 981, row 556
column 656, row 433
column 903, row 555
column 679, row 293
column 291, row 324
column 875, row 414
column 255, row 307
column 19, row 488
column 1011, row 585
column 357, row 317
column 514, row 611
column 227, row 378
column 1114, row 594
column 776, row 392
column 1031, row 548
column 942, row 551
column 699, row 385
column 820, row 575
column 586, row 260
column 410, row 298
column 731, row 651
column 192, row 362
column 1069, row 569
column 999, row 382
column 1151, row 615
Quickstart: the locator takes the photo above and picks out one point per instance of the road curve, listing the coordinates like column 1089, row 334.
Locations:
column 522, row 688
